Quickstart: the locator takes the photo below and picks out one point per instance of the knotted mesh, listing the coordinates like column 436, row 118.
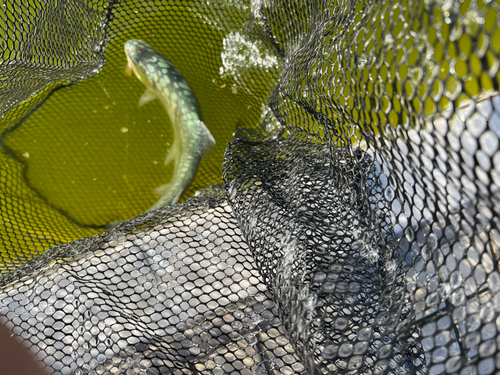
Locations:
column 356, row 228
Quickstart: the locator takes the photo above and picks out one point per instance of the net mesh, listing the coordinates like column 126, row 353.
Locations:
column 356, row 228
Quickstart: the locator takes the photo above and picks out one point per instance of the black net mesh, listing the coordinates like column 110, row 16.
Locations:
column 356, row 228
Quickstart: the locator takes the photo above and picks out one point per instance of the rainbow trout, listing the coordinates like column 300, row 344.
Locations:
column 192, row 139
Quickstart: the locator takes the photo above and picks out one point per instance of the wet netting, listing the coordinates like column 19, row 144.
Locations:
column 346, row 221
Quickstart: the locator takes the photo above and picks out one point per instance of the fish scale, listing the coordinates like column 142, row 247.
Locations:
column 192, row 139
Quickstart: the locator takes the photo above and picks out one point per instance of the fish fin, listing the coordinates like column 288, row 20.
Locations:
column 207, row 141
column 161, row 190
column 147, row 97
column 172, row 153
column 166, row 196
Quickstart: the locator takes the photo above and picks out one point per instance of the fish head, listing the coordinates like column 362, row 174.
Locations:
column 137, row 52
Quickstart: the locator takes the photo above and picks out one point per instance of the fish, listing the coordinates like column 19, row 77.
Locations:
column 192, row 139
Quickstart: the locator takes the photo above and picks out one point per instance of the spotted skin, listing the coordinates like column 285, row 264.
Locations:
column 192, row 139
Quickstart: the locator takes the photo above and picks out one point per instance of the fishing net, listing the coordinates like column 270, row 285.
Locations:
column 350, row 223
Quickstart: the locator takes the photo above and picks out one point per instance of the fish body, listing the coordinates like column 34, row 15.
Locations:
column 192, row 139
